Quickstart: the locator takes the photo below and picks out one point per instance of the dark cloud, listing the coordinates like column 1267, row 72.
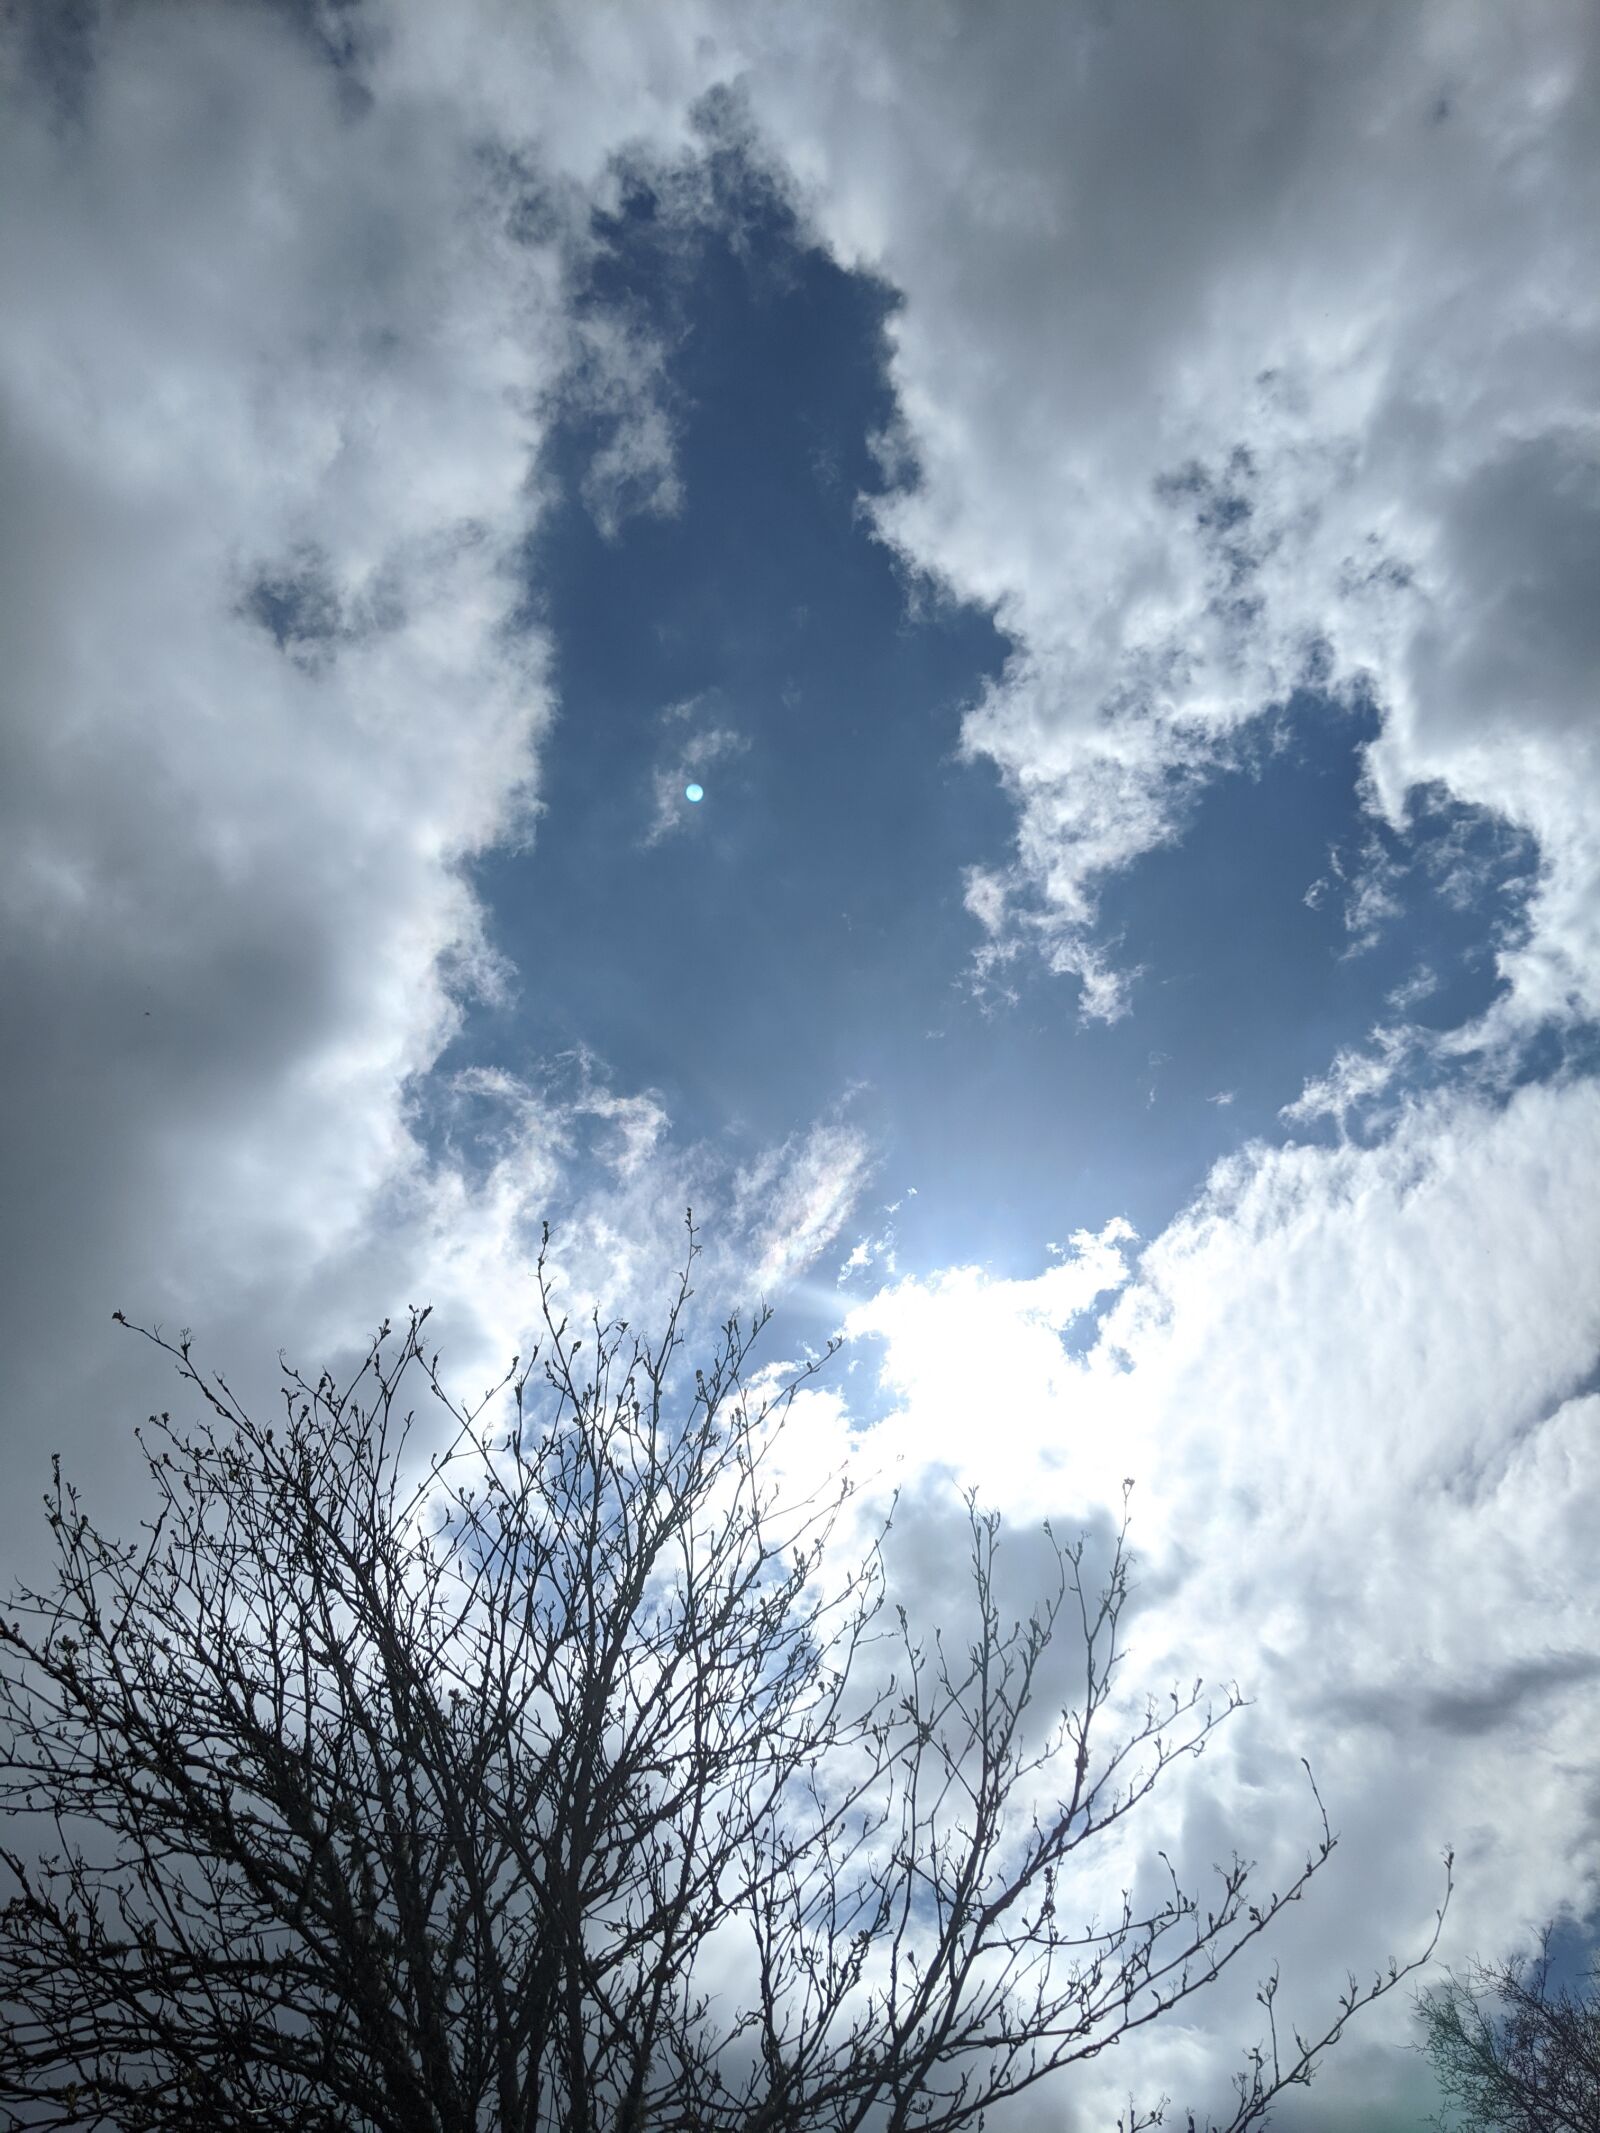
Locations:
column 1500, row 1702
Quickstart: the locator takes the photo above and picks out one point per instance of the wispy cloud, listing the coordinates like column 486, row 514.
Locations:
column 795, row 1200
column 1356, row 1077
column 695, row 751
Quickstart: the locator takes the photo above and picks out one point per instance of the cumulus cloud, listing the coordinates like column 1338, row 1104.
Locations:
column 1241, row 353
column 973, row 1363
column 281, row 345
column 1238, row 353
column 1235, row 357
column 1348, row 1385
column 270, row 370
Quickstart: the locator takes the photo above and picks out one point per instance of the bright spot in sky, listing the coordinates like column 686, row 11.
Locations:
column 694, row 792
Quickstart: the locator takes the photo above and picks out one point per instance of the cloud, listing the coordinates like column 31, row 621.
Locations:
column 281, row 345
column 1237, row 355
column 620, row 386
column 1371, row 904
column 1237, row 352
column 1412, row 991
column 281, row 350
column 1356, row 1077
column 793, row 1201
column 269, row 375
column 972, row 1363
column 1233, row 358
column 1488, row 1701
column 692, row 756
column 1347, row 1382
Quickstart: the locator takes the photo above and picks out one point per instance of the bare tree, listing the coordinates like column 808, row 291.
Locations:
column 563, row 1783
column 1512, row 2052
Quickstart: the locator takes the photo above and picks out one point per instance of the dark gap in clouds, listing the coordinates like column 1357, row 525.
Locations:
column 1478, row 1480
column 1557, row 1052
column 1474, row 858
column 1574, row 1951
column 297, row 604
column 338, row 30
column 301, row 607
column 1285, row 920
column 1473, row 1480
column 1468, row 1712
column 1219, row 501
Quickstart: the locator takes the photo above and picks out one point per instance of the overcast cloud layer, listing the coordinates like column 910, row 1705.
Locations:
column 1240, row 364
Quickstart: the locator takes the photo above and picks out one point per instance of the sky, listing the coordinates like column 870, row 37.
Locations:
column 1104, row 502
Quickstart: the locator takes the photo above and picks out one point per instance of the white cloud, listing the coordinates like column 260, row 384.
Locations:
column 1237, row 347
column 280, row 346
column 269, row 372
column 620, row 383
column 1412, row 991
column 1371, row 903
column 1355, row 1078
column 1343, row 1382
column 792, row 1203
column 1233, row 353
column 692, row 757
column 973, row 1362
column 1238, row 350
